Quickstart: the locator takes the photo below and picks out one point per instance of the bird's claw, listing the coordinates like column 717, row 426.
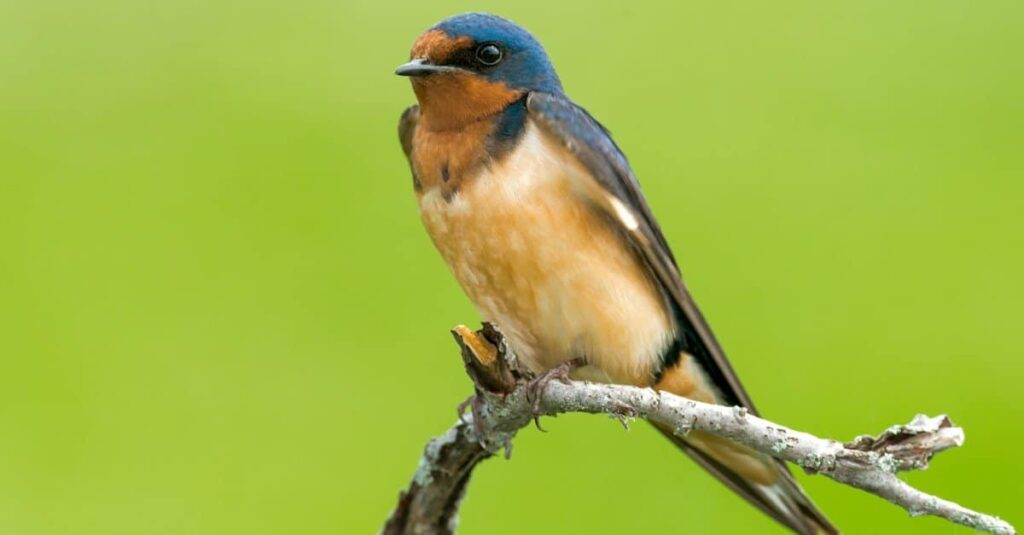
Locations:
column 475, row 405
column 535, row 387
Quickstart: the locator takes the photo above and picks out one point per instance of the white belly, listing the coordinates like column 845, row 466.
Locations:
column 541, row 262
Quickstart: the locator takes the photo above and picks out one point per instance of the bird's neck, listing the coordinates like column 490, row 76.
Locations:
column 448, row 159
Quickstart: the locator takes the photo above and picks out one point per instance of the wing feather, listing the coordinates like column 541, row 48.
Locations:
column 407, row 128
column 594, row 148
column 619, row 193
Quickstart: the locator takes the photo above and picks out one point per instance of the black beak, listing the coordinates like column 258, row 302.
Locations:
column 421, row 67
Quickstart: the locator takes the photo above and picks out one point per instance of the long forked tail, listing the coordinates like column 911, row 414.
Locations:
column 763, row 481
column 781, row 499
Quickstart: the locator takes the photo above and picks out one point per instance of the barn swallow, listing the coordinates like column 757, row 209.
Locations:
column 540, row 218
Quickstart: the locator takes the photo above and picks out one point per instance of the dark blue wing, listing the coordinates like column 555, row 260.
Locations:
column 593, row 146
column 407, row 128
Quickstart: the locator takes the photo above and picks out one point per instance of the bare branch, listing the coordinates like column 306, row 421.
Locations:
column 869, row 463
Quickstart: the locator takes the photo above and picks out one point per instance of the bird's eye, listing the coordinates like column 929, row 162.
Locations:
column 489, row 54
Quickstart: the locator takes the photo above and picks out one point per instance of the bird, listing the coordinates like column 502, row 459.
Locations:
column 540, row 218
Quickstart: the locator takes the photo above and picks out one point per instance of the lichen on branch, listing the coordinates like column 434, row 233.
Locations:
column 502, row 404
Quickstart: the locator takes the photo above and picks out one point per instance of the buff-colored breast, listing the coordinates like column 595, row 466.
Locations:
column 537, row 258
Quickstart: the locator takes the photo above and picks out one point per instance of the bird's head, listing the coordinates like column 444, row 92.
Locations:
column 473, row 65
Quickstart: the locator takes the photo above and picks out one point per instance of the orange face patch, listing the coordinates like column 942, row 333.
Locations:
column 437, row 46
column 453, row 100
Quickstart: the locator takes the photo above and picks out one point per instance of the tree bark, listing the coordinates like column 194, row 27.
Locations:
column 506, row 400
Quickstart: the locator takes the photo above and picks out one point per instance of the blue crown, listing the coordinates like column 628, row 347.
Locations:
column 526, row 65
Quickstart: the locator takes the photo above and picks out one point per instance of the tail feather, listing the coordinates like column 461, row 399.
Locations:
column 783, row 499
column 763, row 481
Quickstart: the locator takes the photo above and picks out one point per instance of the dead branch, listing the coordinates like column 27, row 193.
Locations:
column 502, row 405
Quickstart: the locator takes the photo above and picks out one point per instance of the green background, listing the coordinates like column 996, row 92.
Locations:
column 219, row 312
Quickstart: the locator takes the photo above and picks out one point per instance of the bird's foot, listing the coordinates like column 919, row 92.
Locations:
column 535, row 387
column 475, row 404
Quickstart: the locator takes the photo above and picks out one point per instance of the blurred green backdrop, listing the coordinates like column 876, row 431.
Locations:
column 219, row 313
